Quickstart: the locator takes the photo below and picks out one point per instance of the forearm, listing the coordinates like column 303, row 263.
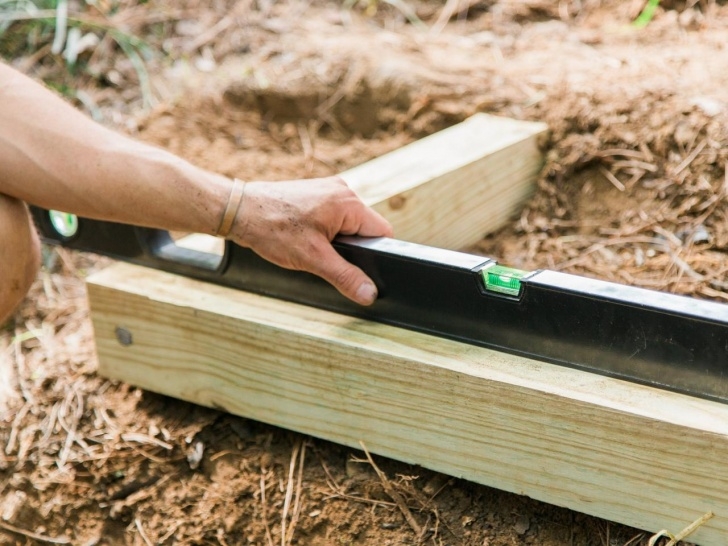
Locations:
column 51, row 155
column 54, row 157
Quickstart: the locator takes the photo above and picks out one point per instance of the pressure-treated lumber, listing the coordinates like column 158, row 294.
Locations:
column 455, row 186
column 628, row 453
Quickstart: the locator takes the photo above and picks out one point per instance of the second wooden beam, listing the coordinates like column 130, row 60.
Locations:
column 452, row 188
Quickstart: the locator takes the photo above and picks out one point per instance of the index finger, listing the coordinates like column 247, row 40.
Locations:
column 365, row 221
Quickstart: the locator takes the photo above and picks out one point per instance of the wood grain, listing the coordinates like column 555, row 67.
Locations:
column 625, row 452
column 451, row 188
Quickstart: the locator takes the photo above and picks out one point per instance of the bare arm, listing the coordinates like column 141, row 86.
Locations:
column 54, row 157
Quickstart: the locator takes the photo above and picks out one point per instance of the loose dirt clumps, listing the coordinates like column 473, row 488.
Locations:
column 633, row 189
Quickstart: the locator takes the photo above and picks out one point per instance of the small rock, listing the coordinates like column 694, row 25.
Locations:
column 194, row 455
column 522, row 525
column 695, row 235
column 12, row 506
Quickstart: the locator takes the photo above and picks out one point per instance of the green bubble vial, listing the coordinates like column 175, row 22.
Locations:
column 65, row 224
column 503, row 280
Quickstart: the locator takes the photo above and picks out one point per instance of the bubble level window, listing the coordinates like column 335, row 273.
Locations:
column 503, row 280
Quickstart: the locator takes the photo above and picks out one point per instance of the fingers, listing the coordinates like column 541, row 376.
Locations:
column 348, row 279
column 361, row 220
column 374, row 225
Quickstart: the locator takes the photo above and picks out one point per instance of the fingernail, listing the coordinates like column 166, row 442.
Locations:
column 367, row 293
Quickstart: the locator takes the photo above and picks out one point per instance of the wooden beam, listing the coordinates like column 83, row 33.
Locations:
column 628, row 453
column 455, row 186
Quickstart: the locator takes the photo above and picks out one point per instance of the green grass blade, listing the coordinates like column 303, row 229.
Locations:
column 644, row 18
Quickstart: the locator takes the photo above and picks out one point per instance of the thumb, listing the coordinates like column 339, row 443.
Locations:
column 347, row 278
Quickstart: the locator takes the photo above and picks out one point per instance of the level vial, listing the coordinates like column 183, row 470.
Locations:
column 65, row 224
column 504, row 280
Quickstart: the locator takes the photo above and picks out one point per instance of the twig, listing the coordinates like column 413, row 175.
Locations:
column 634, row 539
column 225, row 453
column 172, row 530
column 621, row 152
column 436, row 493
column 50, row 426
column 645, row 149
column 613, row 179
column 634, row 164
column 145, row 439
column 674, row 539
column 299, row 495
column 690, row 158
column 145, row 491
column 71, row 428
column 264, row 514
column 690, row 528
column 144, row 453
column 712, row 293
column 336, row 487
column 409, row 13
column 340, row 493
column 139, row 67
column 144, row 536
column 670, row 236
column 395, row 496
column 59, row 40
column 307, row 146
column 210, row 34
column 685, row 268
column 34, row 536
column 363, row 500
column 12, row 439
column 289, row 491
column 20, row 364
column 221, row 537
column 448, row 10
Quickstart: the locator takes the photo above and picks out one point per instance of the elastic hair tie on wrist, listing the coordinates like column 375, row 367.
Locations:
column 231, row 209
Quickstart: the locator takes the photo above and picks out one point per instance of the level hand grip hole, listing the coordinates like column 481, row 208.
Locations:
column 195, row 249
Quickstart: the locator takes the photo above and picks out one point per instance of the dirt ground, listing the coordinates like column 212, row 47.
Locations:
column 632, row 190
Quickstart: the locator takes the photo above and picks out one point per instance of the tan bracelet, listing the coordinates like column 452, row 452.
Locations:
column 231, row 209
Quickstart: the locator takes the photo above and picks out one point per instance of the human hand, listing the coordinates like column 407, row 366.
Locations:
column 293, row 223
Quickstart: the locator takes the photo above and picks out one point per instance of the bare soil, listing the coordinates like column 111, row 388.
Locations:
column 632, row 190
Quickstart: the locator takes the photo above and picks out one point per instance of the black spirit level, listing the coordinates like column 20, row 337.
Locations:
column 659, row 339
